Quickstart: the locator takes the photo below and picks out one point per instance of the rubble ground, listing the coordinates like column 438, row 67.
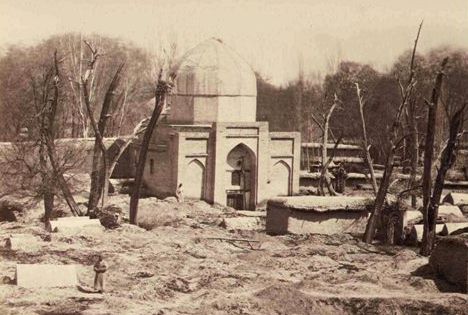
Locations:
column 189, row 264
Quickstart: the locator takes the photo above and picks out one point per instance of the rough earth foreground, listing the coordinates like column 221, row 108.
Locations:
column 182, row 267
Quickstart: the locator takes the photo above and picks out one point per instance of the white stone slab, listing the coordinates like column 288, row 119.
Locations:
column 411, row 217
column 23, row 242
column 455, row 228
column 73, row 219
column 418, row 229
column 45, row 275
column 457, row 199
column 75, row 226
column 449, row 211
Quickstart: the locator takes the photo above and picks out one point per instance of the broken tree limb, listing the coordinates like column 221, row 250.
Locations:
column 233, row 240
column 48, row 134
column 325, row 174
column 101, row 167
column 365, row 142
column 431, row 205
column 374, row 219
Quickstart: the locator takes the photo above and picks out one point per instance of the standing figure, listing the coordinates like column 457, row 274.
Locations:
column 340, row 178
column 100, row 268
column 180, row 193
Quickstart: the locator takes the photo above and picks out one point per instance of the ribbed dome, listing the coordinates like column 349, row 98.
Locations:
column 213, row 69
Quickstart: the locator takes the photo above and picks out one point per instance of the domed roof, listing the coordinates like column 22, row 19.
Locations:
column 213, row 69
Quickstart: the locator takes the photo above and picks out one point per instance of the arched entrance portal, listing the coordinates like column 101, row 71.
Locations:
column 280, row 179
column 194, row 187
column 241, row 174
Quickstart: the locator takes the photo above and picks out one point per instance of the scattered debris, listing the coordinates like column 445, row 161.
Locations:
column 144, row 274
column 9, row 210
column 233, row 241
column 110, row 217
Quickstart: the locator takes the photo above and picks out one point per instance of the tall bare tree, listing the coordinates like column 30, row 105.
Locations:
column 394, row 143
column 432, row 192
column 325, row 176
column 365, row 142
column 161, row 91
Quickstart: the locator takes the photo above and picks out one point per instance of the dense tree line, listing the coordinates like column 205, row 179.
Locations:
column 293, row 106
column 19, row 66
column 290, row 107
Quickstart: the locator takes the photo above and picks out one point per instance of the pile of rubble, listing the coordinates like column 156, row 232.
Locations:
column 452, row 219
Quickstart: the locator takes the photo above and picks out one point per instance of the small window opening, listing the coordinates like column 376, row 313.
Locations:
column 236, row 178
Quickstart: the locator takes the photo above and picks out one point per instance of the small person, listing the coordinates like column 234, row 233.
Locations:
column 100, row 268
column 180, row 193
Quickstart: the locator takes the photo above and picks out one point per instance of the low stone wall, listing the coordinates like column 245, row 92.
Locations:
column 317, row 214
column 449, row 259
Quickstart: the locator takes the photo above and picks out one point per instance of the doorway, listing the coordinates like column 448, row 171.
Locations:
column 241, row 175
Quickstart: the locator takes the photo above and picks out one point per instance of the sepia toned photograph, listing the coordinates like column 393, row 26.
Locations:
column 289, row 157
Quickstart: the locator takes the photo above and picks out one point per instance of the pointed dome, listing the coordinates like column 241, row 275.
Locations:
column 213, row 84
column 212, row 68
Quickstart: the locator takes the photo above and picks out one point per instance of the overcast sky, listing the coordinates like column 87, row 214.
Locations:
column 274, row 36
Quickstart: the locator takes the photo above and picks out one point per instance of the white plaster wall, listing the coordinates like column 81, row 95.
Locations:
column 237, row 109
column 205, row 109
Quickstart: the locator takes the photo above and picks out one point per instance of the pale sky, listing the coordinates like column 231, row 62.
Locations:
column 273, row 36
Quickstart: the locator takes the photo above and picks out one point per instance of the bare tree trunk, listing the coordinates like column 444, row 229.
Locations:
column 406, row 92
column 139, row 129
column 365, row 142
column 48, row 206
column 448, row 159
column 100, row 168
column 324, row 173
column 414, row 147
column 428, row 207
column 162, row 88
column 49, row 135
column 48, row 185
column 380, row 198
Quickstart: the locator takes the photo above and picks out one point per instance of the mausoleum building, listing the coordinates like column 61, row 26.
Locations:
column 209, row 139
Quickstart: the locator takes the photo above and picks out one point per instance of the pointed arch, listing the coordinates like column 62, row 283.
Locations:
column 195, row 186
column 240, row 150
column 241, row 177
column 280, row 179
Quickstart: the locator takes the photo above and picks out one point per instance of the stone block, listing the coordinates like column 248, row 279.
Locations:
column 455, row 228
column 449, row 259
column 412, row 217
column 448, row 213
column 75, row 225
column 416, row 233
column 45, row 275
column 23, row 242
column 312, row 214
column 456, row 199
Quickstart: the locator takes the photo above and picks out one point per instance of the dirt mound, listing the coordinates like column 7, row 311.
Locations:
column 288, row 299
column 183, row 262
